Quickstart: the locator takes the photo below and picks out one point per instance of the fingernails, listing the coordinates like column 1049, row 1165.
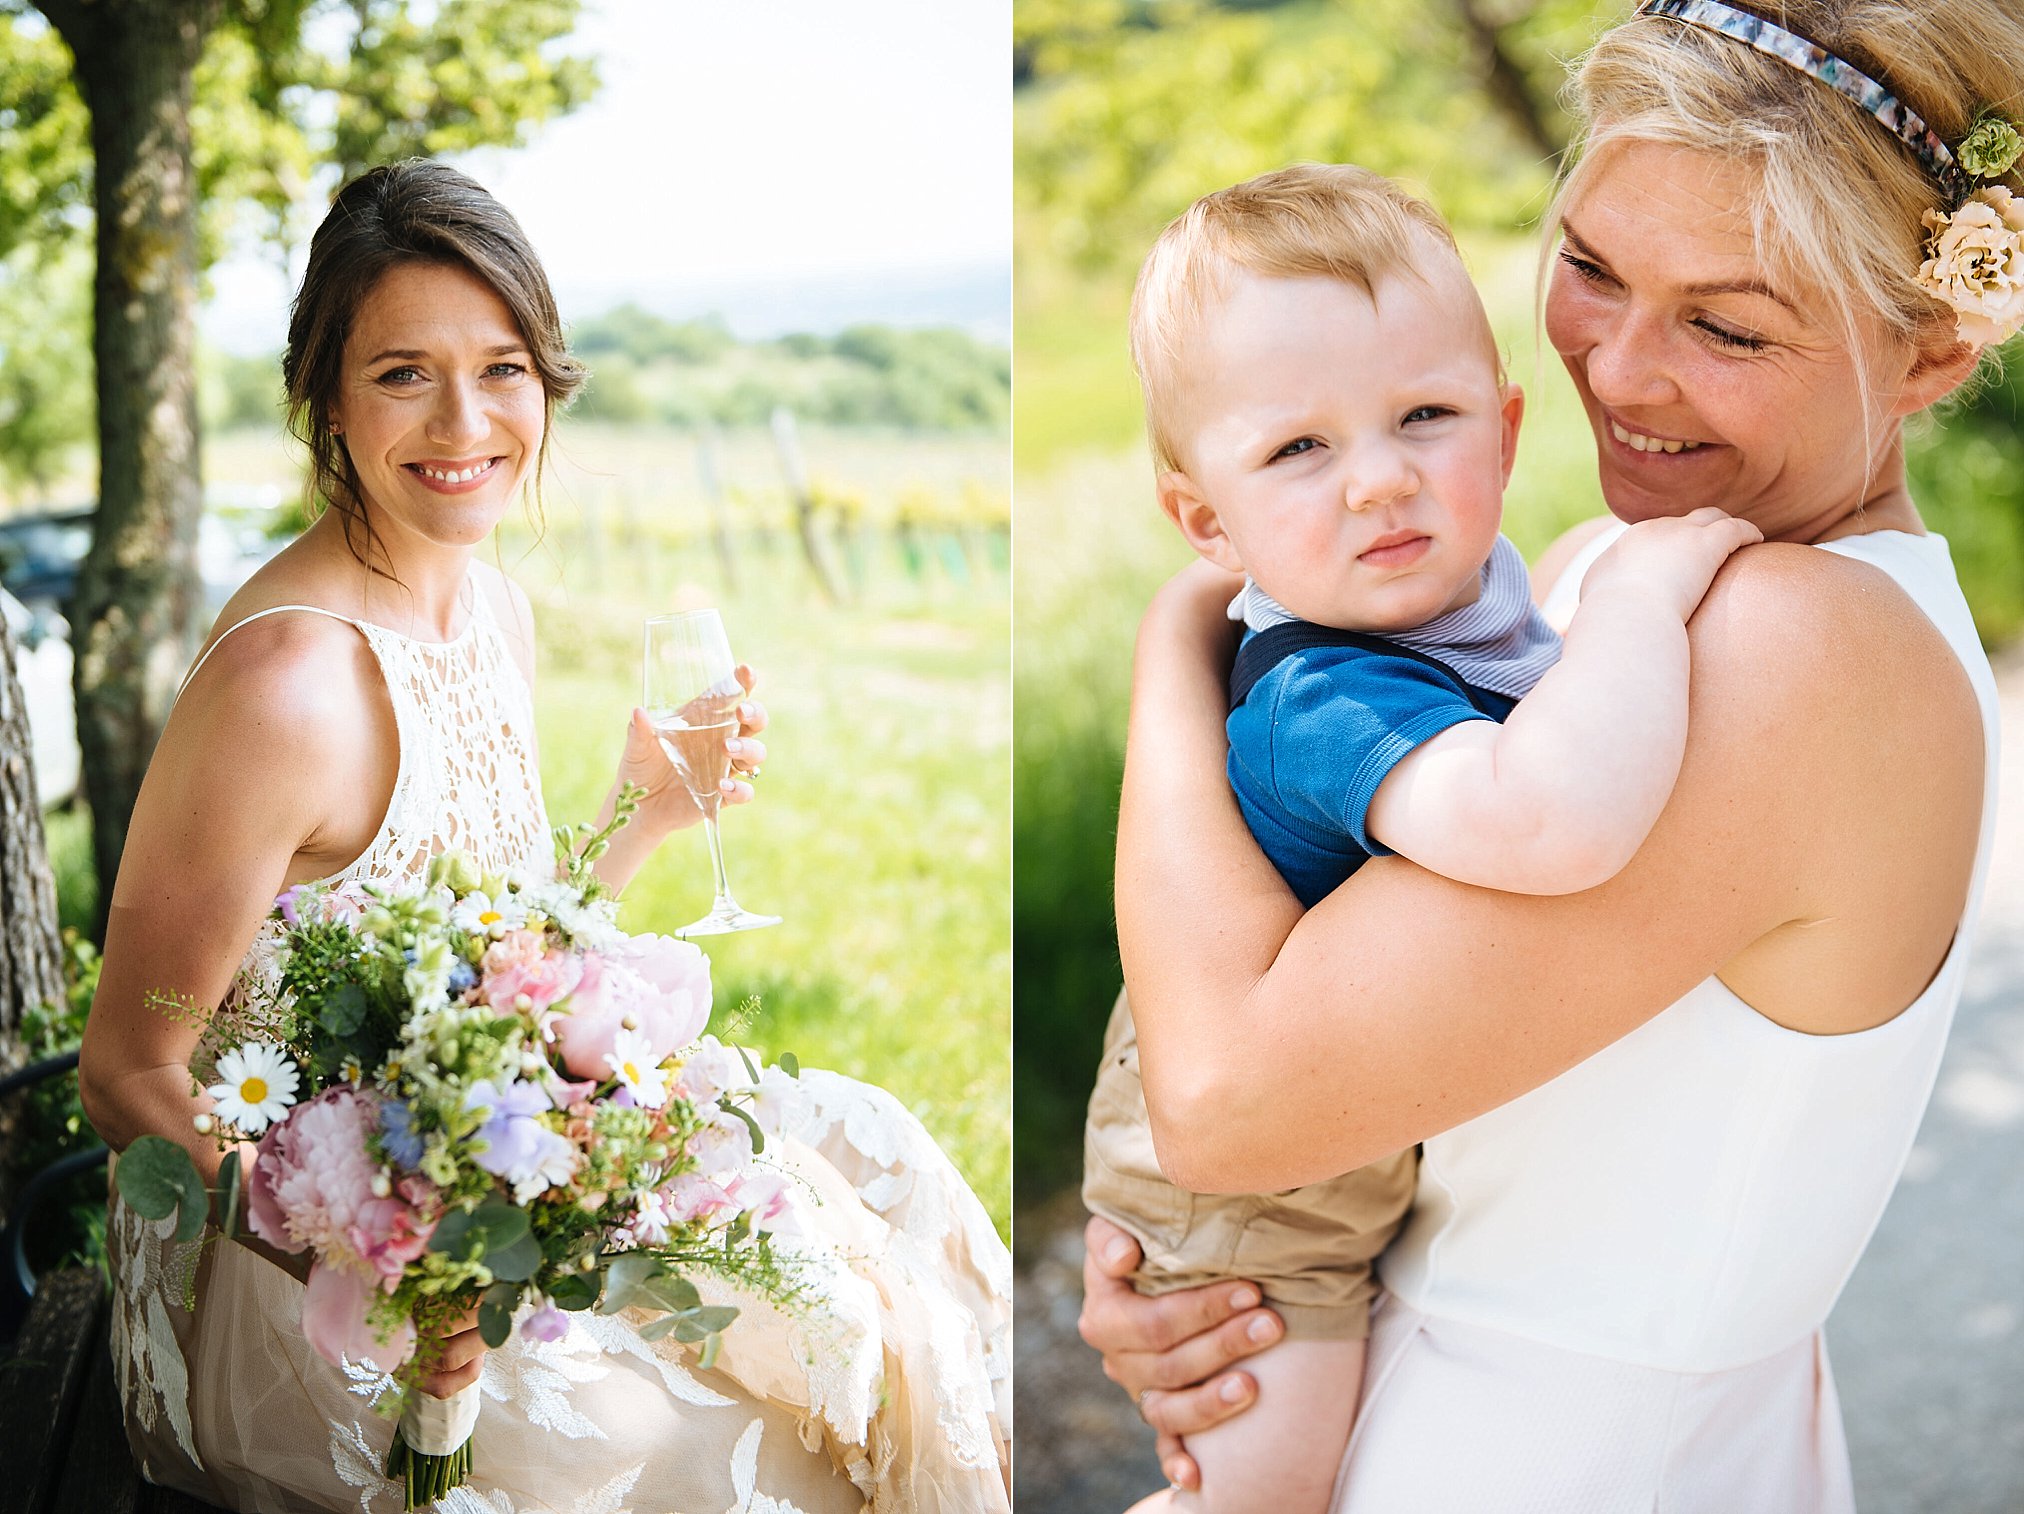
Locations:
column 746, row 712
column 734, row 746
column 1117, row 1251
column 1261, row 1329
column 1232, row 1392
column 1244, row 1298
column 1172, row 1472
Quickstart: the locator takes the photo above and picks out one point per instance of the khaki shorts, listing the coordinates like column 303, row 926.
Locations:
column 1310, row 1249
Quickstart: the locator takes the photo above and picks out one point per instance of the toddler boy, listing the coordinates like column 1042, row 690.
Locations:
column 1330, row 418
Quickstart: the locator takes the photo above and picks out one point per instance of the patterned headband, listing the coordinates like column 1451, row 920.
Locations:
column 1839, row 75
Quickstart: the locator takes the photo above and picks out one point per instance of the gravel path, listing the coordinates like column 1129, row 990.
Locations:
column 1927, row 1341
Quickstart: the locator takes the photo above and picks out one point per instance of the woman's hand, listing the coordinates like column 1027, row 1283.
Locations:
column 1170, row 1352
column 668, row 805
column 461, row 1357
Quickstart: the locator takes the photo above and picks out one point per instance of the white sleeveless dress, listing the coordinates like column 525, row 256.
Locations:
column 1609, row 1296
column 892, row 1393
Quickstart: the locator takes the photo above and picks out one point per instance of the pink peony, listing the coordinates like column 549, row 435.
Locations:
column 693, row 1198
column 387, row 1236
column 661, row 984
column 313, row 1176
column 763, row 1195
column 334, row 1321
column 543, row 977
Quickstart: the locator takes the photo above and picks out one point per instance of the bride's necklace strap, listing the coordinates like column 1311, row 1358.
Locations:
column 1838, row 74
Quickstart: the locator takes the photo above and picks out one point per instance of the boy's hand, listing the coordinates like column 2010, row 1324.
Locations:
column 1671, row 560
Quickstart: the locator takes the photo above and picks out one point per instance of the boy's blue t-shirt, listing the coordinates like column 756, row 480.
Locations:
column 1317, row 734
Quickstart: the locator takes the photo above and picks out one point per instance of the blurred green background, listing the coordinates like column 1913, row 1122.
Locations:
column 1127, row 110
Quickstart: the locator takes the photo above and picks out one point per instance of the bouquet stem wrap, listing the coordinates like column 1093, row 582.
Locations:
column 432, row 1446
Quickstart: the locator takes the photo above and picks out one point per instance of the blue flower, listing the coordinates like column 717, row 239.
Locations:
column 397, row 1133
column 462, row 976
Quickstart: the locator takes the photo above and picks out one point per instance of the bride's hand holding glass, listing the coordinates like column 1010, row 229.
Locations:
column 667, row 805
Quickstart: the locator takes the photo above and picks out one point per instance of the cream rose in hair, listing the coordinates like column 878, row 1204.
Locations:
column 1976, row 264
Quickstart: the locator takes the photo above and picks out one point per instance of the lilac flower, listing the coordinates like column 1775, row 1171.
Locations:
column 518, row 1147
column 547, row 1323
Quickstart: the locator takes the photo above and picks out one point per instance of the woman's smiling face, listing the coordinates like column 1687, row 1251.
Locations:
column 439, row 406
column 1706, row 380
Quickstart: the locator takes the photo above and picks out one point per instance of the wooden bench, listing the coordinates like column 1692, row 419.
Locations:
column 62, row 1441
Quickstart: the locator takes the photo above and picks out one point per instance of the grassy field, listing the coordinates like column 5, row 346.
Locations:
column 883, row 830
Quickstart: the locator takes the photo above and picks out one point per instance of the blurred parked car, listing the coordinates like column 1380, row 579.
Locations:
column 42, row 663
column 40, row 556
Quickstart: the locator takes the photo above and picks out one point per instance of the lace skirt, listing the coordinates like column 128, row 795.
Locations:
column 891, row 1393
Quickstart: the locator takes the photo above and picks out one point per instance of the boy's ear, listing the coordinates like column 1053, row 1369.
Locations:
column 1513, row 415
column 1197, row 520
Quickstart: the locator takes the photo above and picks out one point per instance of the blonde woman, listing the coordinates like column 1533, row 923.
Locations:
column 1660, row 1118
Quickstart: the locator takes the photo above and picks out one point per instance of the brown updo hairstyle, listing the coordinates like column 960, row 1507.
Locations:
column 1840, row 203
column 414, row 211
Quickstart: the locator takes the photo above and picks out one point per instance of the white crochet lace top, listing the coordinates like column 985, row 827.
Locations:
column 467, row 777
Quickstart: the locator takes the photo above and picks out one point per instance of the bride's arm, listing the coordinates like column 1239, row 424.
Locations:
column 242, row 781
column 1404, row 1003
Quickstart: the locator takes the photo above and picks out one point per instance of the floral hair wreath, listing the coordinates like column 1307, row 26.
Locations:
column 1975, row 240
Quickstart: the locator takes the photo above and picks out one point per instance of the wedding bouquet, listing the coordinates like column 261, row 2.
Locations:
column 480, row 1092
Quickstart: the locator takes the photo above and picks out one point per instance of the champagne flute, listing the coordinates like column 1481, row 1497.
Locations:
column 692, row 695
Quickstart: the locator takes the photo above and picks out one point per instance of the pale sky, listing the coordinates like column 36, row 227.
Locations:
column 792, row 164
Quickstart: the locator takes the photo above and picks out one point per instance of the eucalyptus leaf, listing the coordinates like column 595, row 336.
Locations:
column 715, row 1317
column 516, row 1262
column 628, row 1276
column 676, row 1293
column 158, row 1178
column 503, row 1225
column 758, row 1135
column 495, row 1316
column 451, row 1232
column 653, row 1330
column 790, row 1064
column 687, row 1331
column 342, row 1010
column 710, row 1349
column 578, row 1290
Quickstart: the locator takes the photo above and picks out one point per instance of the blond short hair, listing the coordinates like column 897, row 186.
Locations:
column 1839, row 203
column 1326, row 220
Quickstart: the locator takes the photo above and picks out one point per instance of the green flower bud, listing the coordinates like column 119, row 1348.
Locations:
column 1991, row 149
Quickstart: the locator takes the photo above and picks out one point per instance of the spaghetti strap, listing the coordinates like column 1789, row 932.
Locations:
column 190, row 676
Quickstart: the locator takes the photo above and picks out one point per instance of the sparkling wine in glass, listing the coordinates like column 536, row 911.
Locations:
column 692, row 695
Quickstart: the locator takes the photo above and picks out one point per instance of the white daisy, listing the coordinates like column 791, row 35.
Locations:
column 482, row 915
column 257, row 1084
column 631, row 1057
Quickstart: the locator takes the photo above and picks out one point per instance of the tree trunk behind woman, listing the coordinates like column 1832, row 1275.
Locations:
column 31, row 962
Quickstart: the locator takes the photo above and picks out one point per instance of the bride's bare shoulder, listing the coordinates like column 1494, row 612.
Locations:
column 271, row 666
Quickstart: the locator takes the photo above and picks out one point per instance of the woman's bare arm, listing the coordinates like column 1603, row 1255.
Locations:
column 270, row 767
column 1405, row 1004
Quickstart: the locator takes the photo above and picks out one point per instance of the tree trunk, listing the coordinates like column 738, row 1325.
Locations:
column 31, row 961
column 1505, row 81
column 138, row 596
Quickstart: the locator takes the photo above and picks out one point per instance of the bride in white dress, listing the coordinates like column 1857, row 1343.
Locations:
column 1659, row 1119
column 365, row 704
